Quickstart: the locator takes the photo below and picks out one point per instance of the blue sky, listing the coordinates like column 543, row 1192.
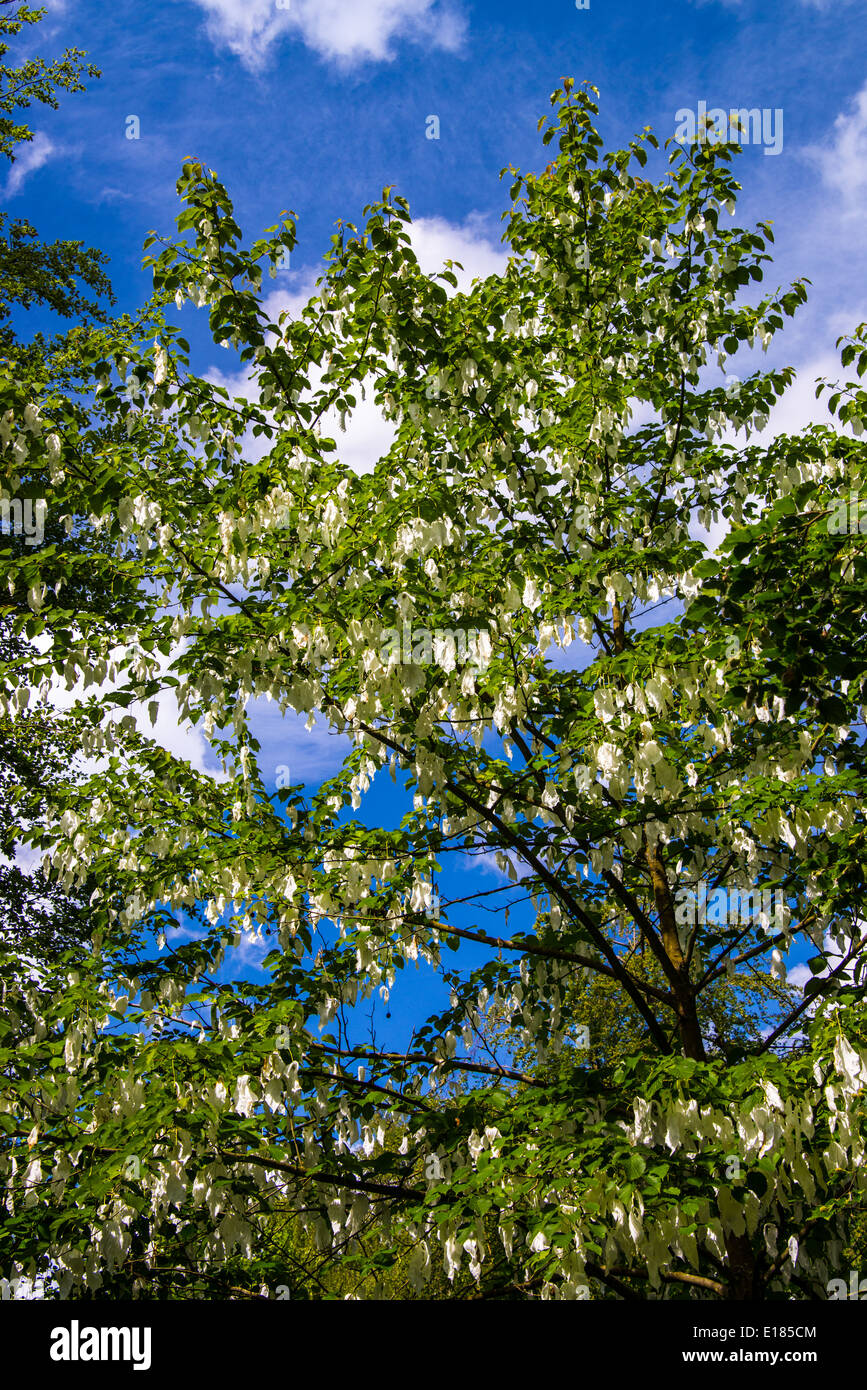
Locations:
column 315, row 105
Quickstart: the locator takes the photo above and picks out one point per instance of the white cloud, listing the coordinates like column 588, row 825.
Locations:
column 485, row 863
column 842, row 161
column 806, row 4
column 247, row 955
column 31, row 157
column 342, row 31
column 310, row 755
column 24, row 858
column 435, row 240
column 798, row 975
column 368, row 435
column 798, row 408
column 182, row 740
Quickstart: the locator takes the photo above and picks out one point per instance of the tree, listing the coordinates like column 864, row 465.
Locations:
column 33, row 272
column 158, row 1116
column 36, row 746
column 46, row 928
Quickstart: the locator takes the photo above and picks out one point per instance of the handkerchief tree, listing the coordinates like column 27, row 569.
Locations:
column 681, row 802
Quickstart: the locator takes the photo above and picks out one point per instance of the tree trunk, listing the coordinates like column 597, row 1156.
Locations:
column 743, row 1271
column 687, row 1016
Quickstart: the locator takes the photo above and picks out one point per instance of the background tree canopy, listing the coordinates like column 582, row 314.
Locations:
column 622, row 1097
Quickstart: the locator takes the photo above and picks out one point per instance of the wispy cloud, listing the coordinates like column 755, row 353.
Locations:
column 486, row 865
column 343, row 31
column 32, row 157
column 309, row 755
column 843, row 159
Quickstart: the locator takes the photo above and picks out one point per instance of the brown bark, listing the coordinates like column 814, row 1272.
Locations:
column 743, row 1283
column 618, row 628
column 684, row 995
